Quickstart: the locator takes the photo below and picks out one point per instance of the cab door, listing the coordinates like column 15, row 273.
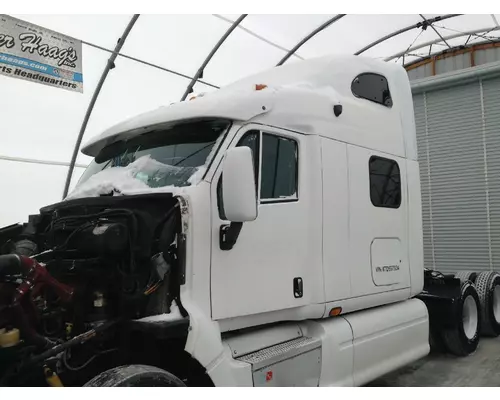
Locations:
column 270, row 266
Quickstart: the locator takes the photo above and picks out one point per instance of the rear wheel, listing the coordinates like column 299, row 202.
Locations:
column 463, row 338
column 488, row 289
column 466, row 276
column 135, row 376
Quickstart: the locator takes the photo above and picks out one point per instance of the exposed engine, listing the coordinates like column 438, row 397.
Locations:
column 72, row 274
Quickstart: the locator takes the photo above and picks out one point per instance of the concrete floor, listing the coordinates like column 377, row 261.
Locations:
column 479, row 369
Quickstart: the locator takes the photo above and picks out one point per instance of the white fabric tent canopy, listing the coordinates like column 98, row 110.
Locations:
column 41, row 123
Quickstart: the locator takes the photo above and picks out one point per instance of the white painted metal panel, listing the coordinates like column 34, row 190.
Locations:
column 387, row 338
column 335, row 220
column 415, row 239
column 386, row 256
column 283, row 243
column 302, row 371
column 368, row 222
column 336, row 350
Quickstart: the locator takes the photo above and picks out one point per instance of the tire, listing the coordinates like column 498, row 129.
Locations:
column 463, row 338
column 135, row 376
column 488, row 289
column 466, row 276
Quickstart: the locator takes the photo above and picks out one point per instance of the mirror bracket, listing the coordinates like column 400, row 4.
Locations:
column 228, row 235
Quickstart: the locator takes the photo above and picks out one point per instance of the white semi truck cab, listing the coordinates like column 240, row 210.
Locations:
column 266, row 234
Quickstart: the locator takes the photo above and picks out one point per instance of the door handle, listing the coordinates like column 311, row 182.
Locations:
column 228, row 235
column 298, row 287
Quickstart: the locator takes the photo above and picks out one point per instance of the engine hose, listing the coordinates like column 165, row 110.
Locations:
column 82, row 338
column 80, row 367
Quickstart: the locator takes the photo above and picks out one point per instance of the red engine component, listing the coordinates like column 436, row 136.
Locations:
column 36, row 274
column 33, row 276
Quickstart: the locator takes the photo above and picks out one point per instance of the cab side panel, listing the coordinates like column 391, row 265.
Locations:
column 387, row 338
column 335, row 220
column 377, row 224
column 415, row 242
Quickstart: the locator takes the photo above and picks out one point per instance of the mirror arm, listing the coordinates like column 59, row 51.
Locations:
column 228, row 235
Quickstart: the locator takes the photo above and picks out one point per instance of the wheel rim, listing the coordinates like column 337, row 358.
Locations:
column 469, row 317
column 496, row 303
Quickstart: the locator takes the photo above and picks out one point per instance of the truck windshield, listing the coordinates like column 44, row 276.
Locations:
column 176, row 156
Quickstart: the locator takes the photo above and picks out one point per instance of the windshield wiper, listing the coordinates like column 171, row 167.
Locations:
column 192, row 154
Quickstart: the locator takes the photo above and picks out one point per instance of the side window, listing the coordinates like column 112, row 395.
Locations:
column 279, row 168
column 385, row 182
column 373, row 87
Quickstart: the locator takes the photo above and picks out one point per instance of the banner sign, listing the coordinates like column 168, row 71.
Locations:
column 39, row 55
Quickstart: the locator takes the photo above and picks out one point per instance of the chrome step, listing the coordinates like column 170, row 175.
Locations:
column 279, row 352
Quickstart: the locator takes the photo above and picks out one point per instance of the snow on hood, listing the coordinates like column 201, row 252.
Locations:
column 120, row 180
column 113, row 180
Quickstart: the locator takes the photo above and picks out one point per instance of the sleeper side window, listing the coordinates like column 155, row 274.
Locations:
column 385, row 182
column 372, row 87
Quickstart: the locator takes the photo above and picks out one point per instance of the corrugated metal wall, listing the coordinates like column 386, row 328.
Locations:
column 458, row 135
column 456, row 60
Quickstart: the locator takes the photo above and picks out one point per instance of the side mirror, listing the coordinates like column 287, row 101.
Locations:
column 238, row 185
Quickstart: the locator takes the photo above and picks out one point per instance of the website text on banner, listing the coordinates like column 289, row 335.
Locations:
column 39, row 55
